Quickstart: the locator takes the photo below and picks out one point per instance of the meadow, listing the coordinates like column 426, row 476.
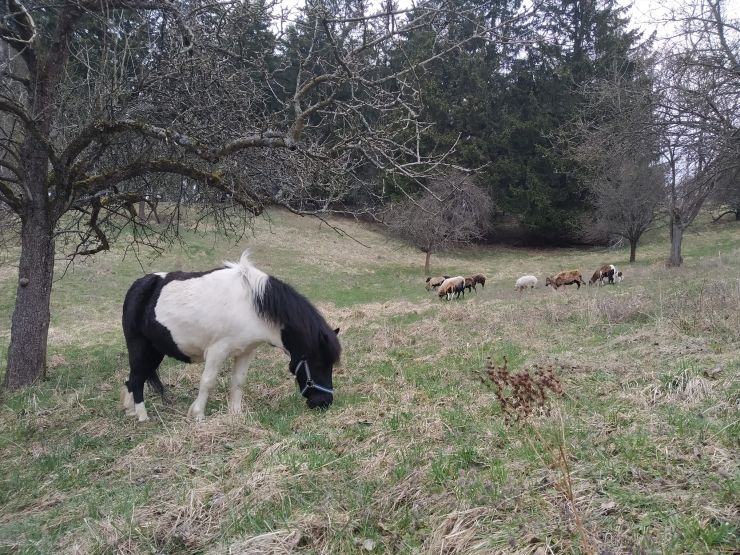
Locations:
column 639, row 454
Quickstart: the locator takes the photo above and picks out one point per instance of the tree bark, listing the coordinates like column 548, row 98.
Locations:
column 426, row 262
column 633, row 250
column 676, row 238
column 30, row 323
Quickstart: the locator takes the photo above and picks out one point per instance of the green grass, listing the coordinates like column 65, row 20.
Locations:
column 414, row 455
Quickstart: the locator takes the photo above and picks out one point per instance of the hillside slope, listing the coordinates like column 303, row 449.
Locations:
column 638, row 455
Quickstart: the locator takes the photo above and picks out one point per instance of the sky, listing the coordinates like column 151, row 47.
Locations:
column 651, row 15
column 647, row 14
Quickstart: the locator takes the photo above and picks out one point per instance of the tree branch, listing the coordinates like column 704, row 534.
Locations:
column 22, row 34
column 266, row 139
column 212, row 179
column 8, row 196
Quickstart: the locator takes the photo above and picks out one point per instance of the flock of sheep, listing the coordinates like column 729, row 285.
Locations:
column 450, row 287
column 454, row 286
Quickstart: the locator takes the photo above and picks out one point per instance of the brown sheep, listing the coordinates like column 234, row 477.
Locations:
column 567, row 277
column 479, row 278
column 434, row 282
column 452, row 286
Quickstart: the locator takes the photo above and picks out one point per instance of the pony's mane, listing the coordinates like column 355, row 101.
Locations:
column 252, row 277
column 280, row 304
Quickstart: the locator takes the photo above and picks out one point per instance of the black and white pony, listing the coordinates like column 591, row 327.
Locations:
column 212, row 316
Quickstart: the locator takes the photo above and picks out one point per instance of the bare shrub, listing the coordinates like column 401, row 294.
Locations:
column 451, row 211
column 521, row 394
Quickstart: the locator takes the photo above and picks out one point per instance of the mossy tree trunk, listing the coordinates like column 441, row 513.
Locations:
column 30, row 322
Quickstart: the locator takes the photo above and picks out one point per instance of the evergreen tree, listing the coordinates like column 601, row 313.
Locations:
column 500, row 103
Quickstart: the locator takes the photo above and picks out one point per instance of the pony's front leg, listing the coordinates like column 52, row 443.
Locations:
column 214, row 360
column 237, row 381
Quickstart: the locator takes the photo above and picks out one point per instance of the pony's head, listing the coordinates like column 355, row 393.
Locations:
column 313, row 346
column 312, row 367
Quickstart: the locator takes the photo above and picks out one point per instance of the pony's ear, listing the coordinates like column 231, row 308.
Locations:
column 336, row 331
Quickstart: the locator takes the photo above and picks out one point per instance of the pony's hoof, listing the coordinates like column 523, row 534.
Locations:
column 127, row 400
column 130, row 412
column 196, row 413
column 140, row 411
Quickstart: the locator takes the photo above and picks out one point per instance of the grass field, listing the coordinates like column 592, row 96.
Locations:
column 639, row 455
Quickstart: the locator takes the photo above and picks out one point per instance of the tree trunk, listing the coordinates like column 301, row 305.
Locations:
column 30, row 323
column 39, row 210
column 676, row 237
column 633, row 250
column 426, row 262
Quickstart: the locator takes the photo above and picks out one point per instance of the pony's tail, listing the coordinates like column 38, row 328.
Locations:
column 156, row 384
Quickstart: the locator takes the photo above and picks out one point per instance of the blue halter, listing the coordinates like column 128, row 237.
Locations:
column 310, row 384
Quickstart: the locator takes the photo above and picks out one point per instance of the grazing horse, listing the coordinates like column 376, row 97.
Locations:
column 225, row 312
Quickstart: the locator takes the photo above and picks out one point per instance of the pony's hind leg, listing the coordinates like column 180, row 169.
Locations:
column 214, row 359
column 144, row 360
column 237, row 381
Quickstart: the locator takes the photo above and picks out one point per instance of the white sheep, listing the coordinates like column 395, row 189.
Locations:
column 525, row 281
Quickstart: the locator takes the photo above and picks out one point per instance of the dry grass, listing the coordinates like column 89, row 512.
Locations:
column 415, row 456
column 279, row 542
column 461, row 532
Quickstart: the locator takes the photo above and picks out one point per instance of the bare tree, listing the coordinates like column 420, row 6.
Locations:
column 616, row 140
column 451, row 211
column 103, row 100
column 627, row 201
column 699, row 106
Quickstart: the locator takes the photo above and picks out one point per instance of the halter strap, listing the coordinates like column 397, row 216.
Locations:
column 310, row 384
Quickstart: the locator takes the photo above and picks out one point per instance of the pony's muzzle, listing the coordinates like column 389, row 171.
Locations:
column 319, row 400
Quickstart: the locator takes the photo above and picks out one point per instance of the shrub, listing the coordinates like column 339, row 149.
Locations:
column 521, row 394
